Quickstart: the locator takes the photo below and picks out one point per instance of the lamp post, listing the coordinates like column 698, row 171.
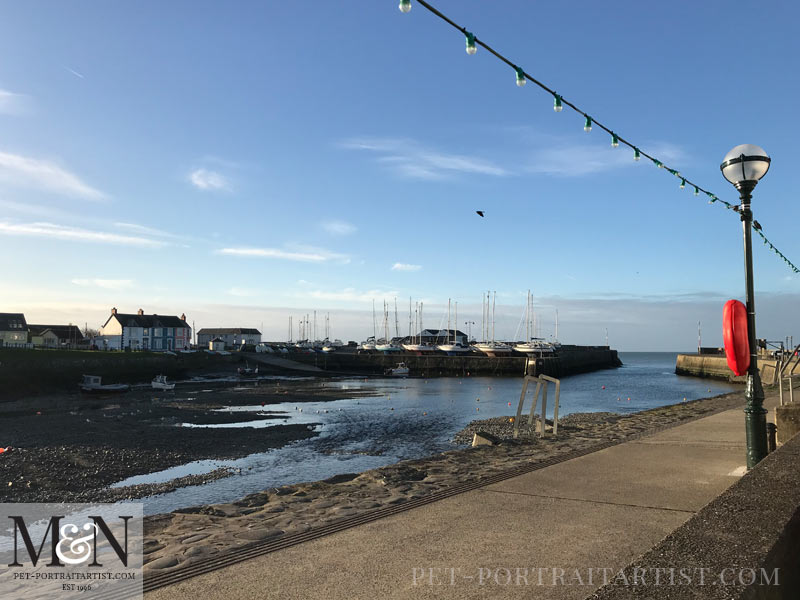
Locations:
column 469, row 325
column 744, row 166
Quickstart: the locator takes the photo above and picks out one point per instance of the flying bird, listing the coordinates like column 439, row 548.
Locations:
column 480, row 212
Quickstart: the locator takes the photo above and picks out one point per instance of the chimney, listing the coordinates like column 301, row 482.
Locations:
column 113, row 311
column 183, row 317
column 140, row 312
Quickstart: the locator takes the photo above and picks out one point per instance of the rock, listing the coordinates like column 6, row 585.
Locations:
column 163, row 563
column 259, row 534
column 342, row 478
column 193, row 538
column 484, row 438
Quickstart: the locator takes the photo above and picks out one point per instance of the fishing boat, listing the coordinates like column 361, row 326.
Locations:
column 247, row 370
column 401, row 370
column 93, row 384
column 160, row 383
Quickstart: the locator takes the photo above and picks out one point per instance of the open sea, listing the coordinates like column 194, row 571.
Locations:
column 414, row 418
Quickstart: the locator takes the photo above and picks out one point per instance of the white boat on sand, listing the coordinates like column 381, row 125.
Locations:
column 160, row 383
column 401, row 370
column 94, row 384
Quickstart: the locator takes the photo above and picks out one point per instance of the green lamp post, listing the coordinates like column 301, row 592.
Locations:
column 744, row 166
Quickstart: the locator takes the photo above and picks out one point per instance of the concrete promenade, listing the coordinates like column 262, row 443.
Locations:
column 598, row 511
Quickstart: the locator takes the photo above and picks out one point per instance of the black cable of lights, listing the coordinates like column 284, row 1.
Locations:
column 559, row 102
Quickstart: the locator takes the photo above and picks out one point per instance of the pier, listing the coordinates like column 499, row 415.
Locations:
column 569, row 360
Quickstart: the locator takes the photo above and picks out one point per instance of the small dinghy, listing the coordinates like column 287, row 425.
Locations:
column 160, row 383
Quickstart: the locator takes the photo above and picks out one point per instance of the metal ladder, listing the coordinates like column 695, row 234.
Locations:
column 541, row 386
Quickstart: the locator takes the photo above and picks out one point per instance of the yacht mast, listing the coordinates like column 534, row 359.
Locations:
column 455, row 339
column 494, row 303
column 396, row 322
column 448, row 320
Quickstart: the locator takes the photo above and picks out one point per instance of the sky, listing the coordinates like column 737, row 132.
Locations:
column 246, row 162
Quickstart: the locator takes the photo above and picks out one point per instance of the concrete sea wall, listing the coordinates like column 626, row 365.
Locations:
column 26, row 373
column 716, row 367
column 569, row 361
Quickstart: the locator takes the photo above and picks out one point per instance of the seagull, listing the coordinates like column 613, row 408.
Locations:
column 480, row 212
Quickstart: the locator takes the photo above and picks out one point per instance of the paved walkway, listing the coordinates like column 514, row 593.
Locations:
column 508, row 540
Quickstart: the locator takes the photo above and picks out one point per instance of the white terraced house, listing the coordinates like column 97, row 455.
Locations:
column 144, row 332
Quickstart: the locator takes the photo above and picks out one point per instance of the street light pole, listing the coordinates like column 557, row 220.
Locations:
column 755, row 414
column 744, row 166
column 469, row 325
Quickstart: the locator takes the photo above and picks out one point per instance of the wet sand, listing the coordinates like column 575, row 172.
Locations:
column 195, row 534
column 73, row 446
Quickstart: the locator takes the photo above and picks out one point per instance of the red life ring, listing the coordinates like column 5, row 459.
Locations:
column 734, row 335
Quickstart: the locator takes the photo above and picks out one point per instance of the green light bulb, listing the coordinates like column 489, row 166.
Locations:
column 557, row 103
column 587, row 126
column 405, row 6
column 471, row 48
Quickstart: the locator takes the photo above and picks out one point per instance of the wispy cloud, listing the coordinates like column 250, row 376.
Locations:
column 411, row 159
column 148, row 231
column 21, row 171
column 339, row 227
column 348, row 295
column 405, row 267
column 575, row 160
column 205, row 179
column 106, row 284
column 295, row 253
column 74, row 72
column 12, row 103
column 240, row 292
column 76, row 234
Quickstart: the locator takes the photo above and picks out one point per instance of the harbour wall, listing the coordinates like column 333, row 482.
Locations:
column 716, row 367
column 569, row 361
column 25, row 373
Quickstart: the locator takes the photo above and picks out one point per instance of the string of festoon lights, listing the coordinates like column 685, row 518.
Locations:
column 589, row 122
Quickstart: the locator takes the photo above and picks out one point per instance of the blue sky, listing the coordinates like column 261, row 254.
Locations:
column 246, row 162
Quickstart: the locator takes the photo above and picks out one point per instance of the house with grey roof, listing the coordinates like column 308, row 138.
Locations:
column 144, row 332
column 56, row 336
column 13, row 330
column 232, row 336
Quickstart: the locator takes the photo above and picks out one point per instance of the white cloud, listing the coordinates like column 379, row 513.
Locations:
column 295, row 253
column 339, row 227
column 74, row 72
column 75, row 234
column 22, row 171
column 106, row 284
column 13, row 104
column 205, row 179
column 241, row 292
column 575, row 160
column 409, row 158
column 405, row 267
column 348, row 295
column 150, row 231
